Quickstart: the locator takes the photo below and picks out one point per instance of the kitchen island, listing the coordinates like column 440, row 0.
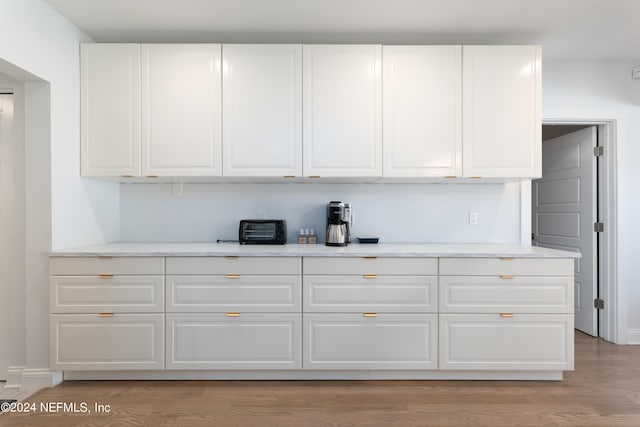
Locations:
column 383, row 311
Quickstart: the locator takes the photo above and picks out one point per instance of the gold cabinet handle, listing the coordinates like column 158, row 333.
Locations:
column 506, row 315
column 233, row 314
column 506, row 276
column 370, row 276
column 151, row 176
column 370, row 314
column 314, row 176
column 126, row 175
column 450, row 176
column 106, row 276
column 233, row 276
column 105, row 314
column 475, row 177
column 370, row 257
column 289, row 176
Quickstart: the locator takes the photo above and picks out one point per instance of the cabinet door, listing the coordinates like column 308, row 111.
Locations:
column 422, row 111
column 501, row 111
column 262, row 110
column 400, row 294
column 233, row 341
column 342, row 110
column 517, row 342
column 181, row 110
column 94, row 342
column 357, row 341
column 110, row 109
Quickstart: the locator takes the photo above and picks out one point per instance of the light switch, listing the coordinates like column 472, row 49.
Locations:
column 473, row 218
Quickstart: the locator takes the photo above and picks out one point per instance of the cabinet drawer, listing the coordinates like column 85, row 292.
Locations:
column 248, row 341
column 353, row 341
column 492, row 342
column 92, row 342
column 506, row 266
column 492, row 294
column 408, row 294
column 119, row 294
column 83, row 266
column 245, row 294
column 233, row 265
column 371, row 265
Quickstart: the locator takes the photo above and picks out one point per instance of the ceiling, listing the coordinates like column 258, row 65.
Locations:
column 591, row 30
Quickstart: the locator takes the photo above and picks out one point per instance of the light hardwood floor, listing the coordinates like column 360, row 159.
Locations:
column 604, row 390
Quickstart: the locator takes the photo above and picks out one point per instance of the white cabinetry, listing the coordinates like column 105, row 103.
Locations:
column 342, row 110
column 262, row 110
column 110, row 109
column 501, row 111
column 233, row 313
column 181, row 110
column 422, row 111
column 107, row 314
column 358, row 316
column 506, row 314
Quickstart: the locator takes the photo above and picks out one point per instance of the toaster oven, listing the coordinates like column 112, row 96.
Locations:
column 263, row 232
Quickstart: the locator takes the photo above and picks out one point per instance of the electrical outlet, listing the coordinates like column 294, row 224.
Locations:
column 635, row 73
column 473, row 218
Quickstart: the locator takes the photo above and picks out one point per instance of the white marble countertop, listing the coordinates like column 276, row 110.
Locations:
column 473, row 250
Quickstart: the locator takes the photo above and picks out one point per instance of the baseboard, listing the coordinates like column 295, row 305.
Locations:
column 36, row 379
column 633, row 336
column 14, row 377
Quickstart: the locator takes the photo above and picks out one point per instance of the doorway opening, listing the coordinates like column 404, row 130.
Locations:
column 573, row 208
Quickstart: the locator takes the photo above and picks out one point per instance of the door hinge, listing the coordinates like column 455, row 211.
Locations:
column 598, row 151
column 598, row 304
column 598, row 227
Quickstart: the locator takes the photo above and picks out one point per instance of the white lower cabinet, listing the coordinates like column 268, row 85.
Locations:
column 368, row 341
column 233, row 341
column 107, row 341
column 506, row 342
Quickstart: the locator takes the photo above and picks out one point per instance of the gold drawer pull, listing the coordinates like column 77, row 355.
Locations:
column 370, row 276
column 370, row 314
column 105, row 314
column 233, row 276
column 506, row 258
column 370, row 257
column 506, row 315
column 475, row 177
column 151, row 176
column 233, row 314
column 106, row 276
column 126, row 175
column 450, row 176
column 314, row 176
column 289, row 176
column 506, row 276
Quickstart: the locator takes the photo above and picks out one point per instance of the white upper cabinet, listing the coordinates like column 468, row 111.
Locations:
column 342, row 110
column 181, row 110
column 110, row 109
column 422, row 110
column 262, row 110
column 501, row 111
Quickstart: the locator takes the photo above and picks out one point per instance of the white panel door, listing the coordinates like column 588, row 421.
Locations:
column 501, row 100
column 422, row 111
column 515, row 342
column 233, row 341
column 364, row 341
column 342, row 110
column 181, row 110
column 110, row 109
column 102, row 342
column 564, row 211
column 262, row 110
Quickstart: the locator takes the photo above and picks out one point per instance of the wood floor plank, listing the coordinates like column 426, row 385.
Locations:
column 604, row 390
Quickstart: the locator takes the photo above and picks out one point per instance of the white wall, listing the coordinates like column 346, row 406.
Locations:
column 40, row 49
column 394, row 212
column 37, row 39
column 604, row 91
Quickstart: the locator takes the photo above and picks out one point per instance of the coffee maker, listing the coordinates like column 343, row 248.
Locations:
column 339, row 217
